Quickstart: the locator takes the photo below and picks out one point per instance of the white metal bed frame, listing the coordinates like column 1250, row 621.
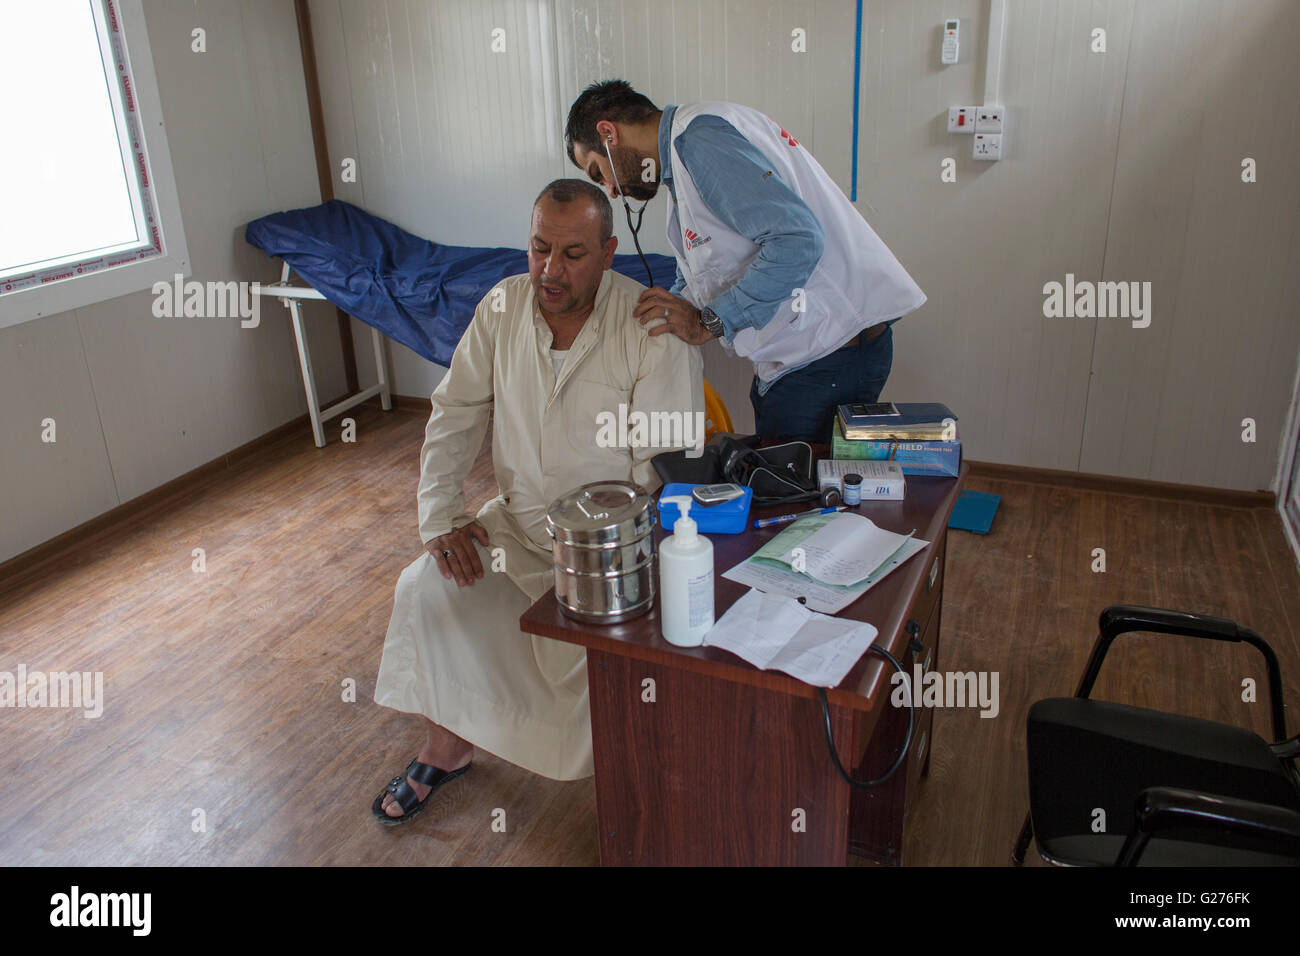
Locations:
column 291, row 298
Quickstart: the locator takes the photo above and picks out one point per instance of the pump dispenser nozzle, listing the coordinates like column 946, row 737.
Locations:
column 684, row 525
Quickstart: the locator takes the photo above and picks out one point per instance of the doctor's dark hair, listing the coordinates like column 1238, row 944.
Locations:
column 609, row 100
column 568, row 190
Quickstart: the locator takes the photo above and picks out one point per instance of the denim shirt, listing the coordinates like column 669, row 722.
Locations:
column 728, row 170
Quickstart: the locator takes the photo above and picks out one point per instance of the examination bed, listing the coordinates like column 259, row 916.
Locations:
column 419, row 293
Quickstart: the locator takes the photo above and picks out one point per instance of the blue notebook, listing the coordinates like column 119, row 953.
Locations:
column 909, row 413
column 974, row 511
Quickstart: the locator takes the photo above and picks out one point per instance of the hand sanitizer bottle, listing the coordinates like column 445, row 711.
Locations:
column 685, row 580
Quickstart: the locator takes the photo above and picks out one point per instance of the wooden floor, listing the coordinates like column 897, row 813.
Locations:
column 224, row 689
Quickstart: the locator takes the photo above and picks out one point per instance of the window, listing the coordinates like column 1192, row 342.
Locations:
column 91, row 210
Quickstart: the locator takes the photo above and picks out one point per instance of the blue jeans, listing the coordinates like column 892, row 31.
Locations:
column 800, row 405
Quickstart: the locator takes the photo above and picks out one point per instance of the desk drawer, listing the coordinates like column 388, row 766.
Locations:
column 928, row 660
column 927, row 596
column 878, row 814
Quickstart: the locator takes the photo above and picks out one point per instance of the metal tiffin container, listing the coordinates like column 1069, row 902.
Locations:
column 602, row 539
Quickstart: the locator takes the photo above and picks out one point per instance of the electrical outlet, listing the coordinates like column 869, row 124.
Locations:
column 987, row 146
column 989, row 119
column 961, row 119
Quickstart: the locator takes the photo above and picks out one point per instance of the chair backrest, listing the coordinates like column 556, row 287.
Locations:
column 716, row 417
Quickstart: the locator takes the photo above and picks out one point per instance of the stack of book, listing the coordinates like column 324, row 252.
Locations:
column 920, row 436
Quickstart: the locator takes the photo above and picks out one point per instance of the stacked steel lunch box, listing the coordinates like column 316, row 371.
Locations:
column 602, row 539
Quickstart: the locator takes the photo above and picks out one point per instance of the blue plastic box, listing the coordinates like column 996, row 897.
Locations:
column 730, row 517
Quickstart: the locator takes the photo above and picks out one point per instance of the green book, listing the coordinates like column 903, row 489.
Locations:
column 941, row 458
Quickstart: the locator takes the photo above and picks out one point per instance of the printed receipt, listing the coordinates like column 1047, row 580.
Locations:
column 778, row 633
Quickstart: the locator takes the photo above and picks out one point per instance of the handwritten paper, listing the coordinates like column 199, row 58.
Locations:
column 777, row 578
column 809, row 558
column 844, row 551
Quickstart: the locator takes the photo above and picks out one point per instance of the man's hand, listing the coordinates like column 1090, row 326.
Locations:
column 681, row 318
column 455, row 553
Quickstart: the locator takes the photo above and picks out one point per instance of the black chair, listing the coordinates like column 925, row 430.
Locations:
column 1176, row 791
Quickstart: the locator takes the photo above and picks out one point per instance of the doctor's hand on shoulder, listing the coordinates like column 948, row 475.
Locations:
column 456, row 555
column 672, row 314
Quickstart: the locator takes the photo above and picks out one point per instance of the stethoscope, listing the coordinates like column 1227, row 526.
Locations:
column 627, row 211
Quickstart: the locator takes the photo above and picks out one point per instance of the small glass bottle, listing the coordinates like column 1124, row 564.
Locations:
column 852, row 490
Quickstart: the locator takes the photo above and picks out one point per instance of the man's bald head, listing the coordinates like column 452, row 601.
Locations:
column 565, row 191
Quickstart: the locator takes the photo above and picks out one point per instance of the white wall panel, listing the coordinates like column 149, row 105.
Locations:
column 1215, row 83
column 982, row 247
column 48, row 487
column 453, row 141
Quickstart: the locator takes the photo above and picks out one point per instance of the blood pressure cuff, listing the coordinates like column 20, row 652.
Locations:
column 780, row 474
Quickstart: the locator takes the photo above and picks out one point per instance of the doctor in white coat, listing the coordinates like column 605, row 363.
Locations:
column 772, row 258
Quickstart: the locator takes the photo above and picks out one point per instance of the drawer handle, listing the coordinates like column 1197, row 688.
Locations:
column 914, row 637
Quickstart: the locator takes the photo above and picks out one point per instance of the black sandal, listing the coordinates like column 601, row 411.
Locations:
column 404, row 794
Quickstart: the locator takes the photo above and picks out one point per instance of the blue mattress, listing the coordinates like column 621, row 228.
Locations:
column 416, row 292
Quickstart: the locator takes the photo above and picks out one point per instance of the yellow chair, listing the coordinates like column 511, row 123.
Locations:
column 716, row 418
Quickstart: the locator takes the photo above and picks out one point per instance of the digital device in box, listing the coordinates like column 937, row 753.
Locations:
column 881, row 480
column 710, row 495
column 729, row 517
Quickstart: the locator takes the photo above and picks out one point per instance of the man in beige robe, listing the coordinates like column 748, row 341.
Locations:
column 545, row 354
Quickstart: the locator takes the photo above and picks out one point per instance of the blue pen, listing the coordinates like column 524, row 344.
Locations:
column 768, row 522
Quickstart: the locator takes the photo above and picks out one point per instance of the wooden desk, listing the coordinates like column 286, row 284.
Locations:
column 728, row 764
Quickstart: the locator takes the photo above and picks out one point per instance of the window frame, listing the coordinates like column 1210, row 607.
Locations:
column 98, row 278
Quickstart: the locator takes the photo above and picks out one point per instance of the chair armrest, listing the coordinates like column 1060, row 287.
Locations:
column 1158, row 808
column 1286, row 749
column 1122, row 618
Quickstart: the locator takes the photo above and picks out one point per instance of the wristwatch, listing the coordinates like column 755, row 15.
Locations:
column 712, row 324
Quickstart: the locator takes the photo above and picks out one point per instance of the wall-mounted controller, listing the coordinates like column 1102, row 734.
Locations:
column 948, row 55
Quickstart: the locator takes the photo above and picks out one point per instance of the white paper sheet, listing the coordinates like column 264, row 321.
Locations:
column 776, row 578
column 777, row 633
column 845, row 550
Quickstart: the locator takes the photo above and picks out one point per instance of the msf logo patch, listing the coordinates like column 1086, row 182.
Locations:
column 788, row 138
column 694, row 239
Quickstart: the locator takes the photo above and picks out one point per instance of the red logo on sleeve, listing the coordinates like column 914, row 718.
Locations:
column 788, row 138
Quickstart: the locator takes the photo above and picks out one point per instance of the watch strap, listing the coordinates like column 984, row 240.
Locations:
column 711, row 322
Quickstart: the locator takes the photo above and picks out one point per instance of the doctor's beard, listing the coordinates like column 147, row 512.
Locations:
column 629, row 166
